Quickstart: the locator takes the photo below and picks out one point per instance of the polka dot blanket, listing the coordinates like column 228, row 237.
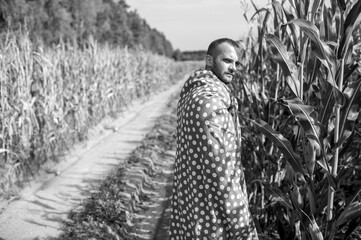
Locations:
column 209, row 199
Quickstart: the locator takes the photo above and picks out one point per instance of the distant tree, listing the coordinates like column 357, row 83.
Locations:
column 177, row 55
column 193, row 55
column 112, row 24
column 36, row 19
column 13, row 12
column 138, row 27
column 58, row 25
column 122, row 34
column 168, row 48
column 107, row 21
column 84, row 17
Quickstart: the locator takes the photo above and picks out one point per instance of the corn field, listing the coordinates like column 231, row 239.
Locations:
column 51, row 97
column 299, row 86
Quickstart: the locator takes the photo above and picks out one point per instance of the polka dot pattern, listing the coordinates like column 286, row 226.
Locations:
column 209, row 199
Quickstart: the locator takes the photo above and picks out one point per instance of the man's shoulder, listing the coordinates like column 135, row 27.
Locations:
column 203, row 74
column 200, row 78
column 203, row 84
column 209, row 93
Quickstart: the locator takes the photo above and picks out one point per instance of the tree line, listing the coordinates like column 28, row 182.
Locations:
column 107, row 21
column 199, row 55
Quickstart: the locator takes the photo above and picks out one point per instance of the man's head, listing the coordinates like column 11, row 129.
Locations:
column 222, row 59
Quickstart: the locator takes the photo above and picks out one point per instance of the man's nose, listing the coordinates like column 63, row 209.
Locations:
column 232, row 66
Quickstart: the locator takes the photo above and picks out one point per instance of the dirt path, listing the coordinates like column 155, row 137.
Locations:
column 41, row 207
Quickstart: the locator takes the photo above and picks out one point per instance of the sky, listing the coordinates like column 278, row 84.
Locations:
column 191, row 25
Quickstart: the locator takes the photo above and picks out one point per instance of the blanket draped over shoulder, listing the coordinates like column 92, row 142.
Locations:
column 209, row 198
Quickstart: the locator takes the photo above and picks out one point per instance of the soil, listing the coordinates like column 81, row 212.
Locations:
column 38, row 210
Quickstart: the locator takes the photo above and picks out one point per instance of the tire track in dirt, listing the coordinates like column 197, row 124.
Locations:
column 41, row 207
column 155, row 220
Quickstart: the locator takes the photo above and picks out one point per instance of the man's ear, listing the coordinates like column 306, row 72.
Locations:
column 209, row 60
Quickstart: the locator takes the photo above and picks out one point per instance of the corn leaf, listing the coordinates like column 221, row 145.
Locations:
column 311, row 225
column 352, row 20
column 327, row 23
column 352, row 226
column 314, row 230
column 258, row 12
column 300, row 9
column 303, row 114
column 353, row 99
column 278, row 9
column 352, row 211
column 3, row 150
column 288, row 67
column 342, row 4
column 315, row 6
column 255, row 104
column 323, row 52
column 277, row 194
column 327, row 109
column 282, row 143
column 311, row 196
column 295, row 38
column 355, row 222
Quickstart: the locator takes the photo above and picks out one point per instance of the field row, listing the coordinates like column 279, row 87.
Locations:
column 50, row 98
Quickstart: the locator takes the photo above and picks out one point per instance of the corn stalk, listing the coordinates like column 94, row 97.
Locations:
column 51, row 97
column 321, row 111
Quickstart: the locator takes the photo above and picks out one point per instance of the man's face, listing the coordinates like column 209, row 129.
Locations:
column 225, row 62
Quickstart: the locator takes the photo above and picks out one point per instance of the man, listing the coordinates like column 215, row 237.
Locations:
column 209, row 194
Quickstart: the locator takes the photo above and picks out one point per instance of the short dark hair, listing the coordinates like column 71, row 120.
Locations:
column 213, row 46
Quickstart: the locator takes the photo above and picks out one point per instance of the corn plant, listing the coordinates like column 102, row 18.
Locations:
column 51, row 97
column 308, row 161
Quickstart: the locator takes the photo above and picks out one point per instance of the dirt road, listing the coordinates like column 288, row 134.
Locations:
column 41, row 207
